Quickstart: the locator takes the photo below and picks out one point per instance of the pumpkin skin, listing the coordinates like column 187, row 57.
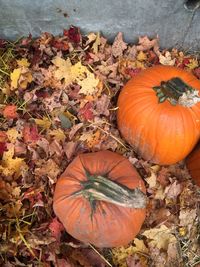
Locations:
column 192, row 163
column 110, row 225
column 159, row 132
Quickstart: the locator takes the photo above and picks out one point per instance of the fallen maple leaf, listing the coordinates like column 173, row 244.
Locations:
column 13, row 135
column 20, row 77
column 193, row 63
column 14, row 76
column 30, row 134
column 146, row 44
column 141, row 56
column 12, row 166
column 58, row 134
column 23, row 62
column 3, row 147
column 120, row 254
column 90, row 138
column 56, row 228
column 48, row 168
column 160, row 237
column 167, row 59
column 96, row 44
column 3, row 136
column 10, row 112
column 74, row 34
column 88, row 85
column 63, row 70
column 151, row 180
column 118, row 45
column 86, row 112
column 44, row 123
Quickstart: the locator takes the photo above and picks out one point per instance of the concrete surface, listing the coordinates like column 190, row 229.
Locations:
column 175, row 25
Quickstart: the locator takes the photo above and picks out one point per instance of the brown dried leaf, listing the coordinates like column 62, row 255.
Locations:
column 118, row 46
column 48, row 168
column 146, row 44
column 70, row 148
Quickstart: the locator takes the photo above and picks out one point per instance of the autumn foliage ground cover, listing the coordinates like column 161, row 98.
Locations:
column 58, row 98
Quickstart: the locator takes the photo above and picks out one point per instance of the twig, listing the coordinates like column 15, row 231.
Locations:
column 103, row 258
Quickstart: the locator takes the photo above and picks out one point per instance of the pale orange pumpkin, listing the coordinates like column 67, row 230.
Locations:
column 193, row 164
column 100, row 199
column 159, row 113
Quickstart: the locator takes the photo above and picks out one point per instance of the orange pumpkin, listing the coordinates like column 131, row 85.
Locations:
column 159, row 113
column 193, row 165
column 100, row 199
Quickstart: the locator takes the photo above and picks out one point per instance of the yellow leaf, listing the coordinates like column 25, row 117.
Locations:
column 58, row 134
column 13, row 134
column 193, row 64
column 96, row 44
column 63, row 69
column 88, row 85
column 70, row 116
column 10, row 165
column 160, row 194
column 160, row 237
column 140, row 246
column 151, row 180
column 23, row 62
column 44, row 123
column 14, row 76
column 78, row 71
column 120, row 254
column 26, row 77
column 139, row 64
column 141, row 56
column 91, row 37
column 91, row 138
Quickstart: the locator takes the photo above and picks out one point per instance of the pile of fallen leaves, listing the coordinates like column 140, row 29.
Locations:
column 58, row 98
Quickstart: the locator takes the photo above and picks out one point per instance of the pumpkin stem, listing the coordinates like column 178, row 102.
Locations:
column 100, row 188
column 177, row 92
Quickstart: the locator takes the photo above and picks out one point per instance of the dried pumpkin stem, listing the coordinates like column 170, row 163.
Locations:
column 99, row 188
column 177, row 92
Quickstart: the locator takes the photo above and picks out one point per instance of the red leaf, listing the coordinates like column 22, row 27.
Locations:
column 60, row 45
column 197, row 72
column 30, row 134
column 56, row 227
column 74, row 34
column 27, row 40
column 3, row 148
column 3, row 43
column 10, row 112
column 133, row 72
column 65, row 32
column 153, row 58
column 86, row 112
